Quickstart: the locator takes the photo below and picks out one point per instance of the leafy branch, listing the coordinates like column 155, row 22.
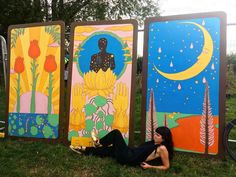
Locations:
column 15, row 34
column 54, row 31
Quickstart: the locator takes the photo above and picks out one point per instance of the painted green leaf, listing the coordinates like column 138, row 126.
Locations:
column 20, row 123
column 88, row 135
column 100, row 114
column 126, row 140
column 14, row 127
column 53, row 119
column 15, row 34
column 72, row 134
column 100, row 101
column 99, row 125
column 47, row 131
column 90, row 109
column 54, row 32
column 102, row 133
column 21, row 131
column 9, row 128
column 34, row 130
column 109, row 119
column 39, row 120
column 89, row 125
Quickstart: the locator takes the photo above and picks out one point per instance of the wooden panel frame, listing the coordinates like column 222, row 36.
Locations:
column 222, row 75
column 62, row 65
column 134, row 58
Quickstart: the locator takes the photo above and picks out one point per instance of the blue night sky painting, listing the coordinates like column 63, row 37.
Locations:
column 191, row 48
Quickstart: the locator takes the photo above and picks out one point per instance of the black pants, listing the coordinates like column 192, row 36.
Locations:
column 113, row 145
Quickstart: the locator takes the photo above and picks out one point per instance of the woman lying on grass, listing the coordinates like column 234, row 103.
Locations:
column 113, row 145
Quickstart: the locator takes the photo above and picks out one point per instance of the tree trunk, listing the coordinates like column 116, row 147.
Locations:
column 206, row 125
column 54, row 10
column 46, row 8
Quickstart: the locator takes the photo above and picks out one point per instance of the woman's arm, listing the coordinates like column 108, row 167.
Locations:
column 164, row 157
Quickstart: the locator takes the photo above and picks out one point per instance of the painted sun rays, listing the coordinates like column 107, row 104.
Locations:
column 35, row 80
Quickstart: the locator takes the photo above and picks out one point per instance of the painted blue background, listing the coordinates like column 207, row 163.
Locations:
column 90, row 47
column 17, row 121
column 175, row 38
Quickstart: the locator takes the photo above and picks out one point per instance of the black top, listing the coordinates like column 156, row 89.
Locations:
column 140, row 154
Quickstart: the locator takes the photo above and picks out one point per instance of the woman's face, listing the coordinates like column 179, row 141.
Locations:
column 158, row 138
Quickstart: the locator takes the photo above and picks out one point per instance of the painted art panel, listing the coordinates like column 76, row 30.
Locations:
column 184, row 59
column 101, row 78
column 35, row 79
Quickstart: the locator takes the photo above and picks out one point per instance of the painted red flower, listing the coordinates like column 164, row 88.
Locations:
column 34, row 50
column 19, row 66
column 50, row 64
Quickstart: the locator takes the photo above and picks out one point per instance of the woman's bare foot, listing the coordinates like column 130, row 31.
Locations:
column 96, row 141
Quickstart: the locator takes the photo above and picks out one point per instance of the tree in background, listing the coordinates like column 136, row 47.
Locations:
column 19, row 12
column 28, row 11
column 231, row 75
column 139, row 65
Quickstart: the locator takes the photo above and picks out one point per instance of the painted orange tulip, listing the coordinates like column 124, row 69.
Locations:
column 34, row 50
column 50, row 64
column 19, row 66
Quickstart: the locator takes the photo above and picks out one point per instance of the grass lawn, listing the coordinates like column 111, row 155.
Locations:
column 2, row 102
column 21, row 159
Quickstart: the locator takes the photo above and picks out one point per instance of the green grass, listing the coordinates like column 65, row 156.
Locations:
column 2, row 103
column 45, row 160
column 231, row 108
column 39, row 159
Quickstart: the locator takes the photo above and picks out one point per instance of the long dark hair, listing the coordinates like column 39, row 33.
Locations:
column 167, row 139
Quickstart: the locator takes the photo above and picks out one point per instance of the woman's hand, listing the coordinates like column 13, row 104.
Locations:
column 145, row 165
column 164, row 157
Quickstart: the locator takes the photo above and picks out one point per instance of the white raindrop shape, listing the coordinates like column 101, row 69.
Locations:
column 204, row 80
column 203, row 23
column 212, row 66
column 157, row 80
column 191, row 45
column 159, row 50
column 181, row 50
column 179, row 87
column 171, row 64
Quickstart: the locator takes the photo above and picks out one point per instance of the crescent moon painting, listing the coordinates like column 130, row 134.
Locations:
column 182, row 91
column 203, row 59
